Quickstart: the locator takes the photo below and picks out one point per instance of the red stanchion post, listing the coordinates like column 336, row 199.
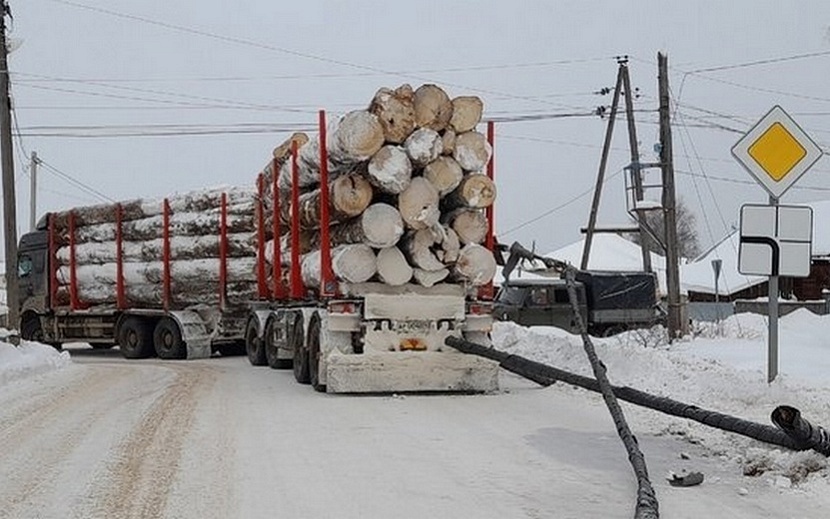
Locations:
column 327, row 287
column 223, row 251
column 53, row 263
column 166, row 295
column 262, row 285
column 276, row 271
column 120, row 296
column 297, row 289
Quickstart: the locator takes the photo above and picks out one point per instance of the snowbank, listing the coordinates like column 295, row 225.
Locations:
column 28, row 359
column 723, row 369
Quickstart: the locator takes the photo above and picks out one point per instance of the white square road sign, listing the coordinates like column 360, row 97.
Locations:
column 776, row 151
column 775, row 240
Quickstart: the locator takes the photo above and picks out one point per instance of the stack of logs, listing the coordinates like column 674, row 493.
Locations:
column 194, row 222
column 407, row 192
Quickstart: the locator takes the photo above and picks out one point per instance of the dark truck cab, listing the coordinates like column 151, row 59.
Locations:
column 609, row 302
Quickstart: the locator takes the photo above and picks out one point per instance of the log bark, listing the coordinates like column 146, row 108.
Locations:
column 395, row 109
column 472, row 151
column 433, row 108
column 379, row 226
column 466, row 113
column 475, row 266
column 475, row 190
column 349, row 196
column 355, row 263
column 429, row 278
column 418, row 204
column 283, row 151
column 393, row 269
column 450, row 246
column 390, row 169
column 469, row 224
column 445, row 174
column 448, row 137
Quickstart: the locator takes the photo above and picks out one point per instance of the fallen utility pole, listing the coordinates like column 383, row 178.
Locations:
column 546, row 375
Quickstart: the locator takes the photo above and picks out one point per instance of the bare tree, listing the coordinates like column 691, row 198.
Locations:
column 689, row 246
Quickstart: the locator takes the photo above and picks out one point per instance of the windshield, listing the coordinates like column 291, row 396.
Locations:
column 511, row 295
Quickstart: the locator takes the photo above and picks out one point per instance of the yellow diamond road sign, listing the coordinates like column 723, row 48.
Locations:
column 776, row 151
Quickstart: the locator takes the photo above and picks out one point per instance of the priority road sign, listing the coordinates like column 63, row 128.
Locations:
column 776, row 152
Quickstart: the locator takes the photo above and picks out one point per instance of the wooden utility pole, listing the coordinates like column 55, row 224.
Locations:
column 33, row 191
column 9, row 204
column 677, row 324
column 636, row 176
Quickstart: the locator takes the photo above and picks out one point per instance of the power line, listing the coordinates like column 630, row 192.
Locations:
column 305, row 55
column 761, row 62
column 72, row 180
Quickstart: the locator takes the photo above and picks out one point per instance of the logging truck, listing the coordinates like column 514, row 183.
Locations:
column 357, row 252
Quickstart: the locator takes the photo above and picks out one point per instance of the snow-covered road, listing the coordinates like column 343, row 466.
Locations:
column 217, row 438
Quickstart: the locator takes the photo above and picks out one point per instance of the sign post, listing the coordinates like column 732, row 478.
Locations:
column 775, row 240
column 716, row 267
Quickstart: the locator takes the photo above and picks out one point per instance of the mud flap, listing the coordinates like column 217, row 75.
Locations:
column 194, row 333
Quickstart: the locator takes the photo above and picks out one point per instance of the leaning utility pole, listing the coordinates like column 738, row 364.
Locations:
column 9, row 205
column 677, row 324
column 33, row 191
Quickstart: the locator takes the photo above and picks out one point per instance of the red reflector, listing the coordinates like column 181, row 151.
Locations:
column 343, row 308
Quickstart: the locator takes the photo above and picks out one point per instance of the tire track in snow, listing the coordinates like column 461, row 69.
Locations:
column 40, row 435
column 145, row 466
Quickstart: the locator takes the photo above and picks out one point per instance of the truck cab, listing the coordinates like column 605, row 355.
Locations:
column 539, row 302
column 33, row 282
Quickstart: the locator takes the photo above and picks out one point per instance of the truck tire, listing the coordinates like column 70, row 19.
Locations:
column 313, row 347
column 135, row 338
column 167, row 338
column 269, row 342
column 297, row 342
column 254, row 347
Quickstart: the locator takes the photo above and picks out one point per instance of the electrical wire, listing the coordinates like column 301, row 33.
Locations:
column 72, row 180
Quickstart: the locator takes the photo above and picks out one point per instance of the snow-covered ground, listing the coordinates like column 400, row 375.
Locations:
column 722, row 367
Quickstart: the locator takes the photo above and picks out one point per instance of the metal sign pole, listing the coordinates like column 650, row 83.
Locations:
column 772, row 314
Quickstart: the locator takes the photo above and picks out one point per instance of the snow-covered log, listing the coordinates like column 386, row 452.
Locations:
column 423, row 146
column 353, row 139
column 418, row 248
column 448, row 137
column 476, row 265
column 429, row 278
column 390, row 169
column 379, row 226
column 354, row 263
column 349, row 196
column 393, row 269
column 418, row 204
column 395, row 109
column 472, row 151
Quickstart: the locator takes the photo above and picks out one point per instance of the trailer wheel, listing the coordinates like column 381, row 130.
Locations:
column 313, row 346
column 135, row 339
column 253, row 345
column 31, row 330
column 271, row 347
column 297, row 342
column 168, row 341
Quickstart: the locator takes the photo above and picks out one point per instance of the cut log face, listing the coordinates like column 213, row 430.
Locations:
column 445, row 174
column 433, row 108
column 450, row 245
column 390, row 169
column 418, row 204
column 466, row 113
column 472, row 151
column 379, row 226
column 430, row 278
column 418, row 248
column 359, row 135
column 355, row 263
column 393, row 269
column 349, row 196
column 476, row 265
column 283, row 151
column 475, row 191
column 469, row 224
column 423, row 146
column 395, row 111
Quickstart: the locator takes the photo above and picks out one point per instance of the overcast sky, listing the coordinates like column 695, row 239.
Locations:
column 106, row 69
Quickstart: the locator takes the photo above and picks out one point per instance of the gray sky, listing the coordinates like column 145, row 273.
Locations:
column 105, row 68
